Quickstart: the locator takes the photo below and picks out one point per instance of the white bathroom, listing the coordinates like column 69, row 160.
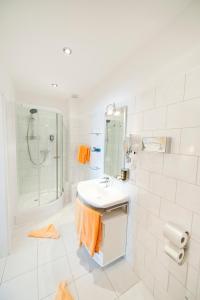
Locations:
column 100, row 150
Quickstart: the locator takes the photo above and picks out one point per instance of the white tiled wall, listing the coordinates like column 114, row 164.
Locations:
column 168, row 185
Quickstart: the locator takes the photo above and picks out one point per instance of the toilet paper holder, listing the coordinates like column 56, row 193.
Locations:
column 177, row 242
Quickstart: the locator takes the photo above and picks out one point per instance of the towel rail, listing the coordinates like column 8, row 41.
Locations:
column 106, row 210
column 115, row 207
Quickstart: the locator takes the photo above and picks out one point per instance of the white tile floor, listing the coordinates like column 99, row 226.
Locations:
column 36, row 266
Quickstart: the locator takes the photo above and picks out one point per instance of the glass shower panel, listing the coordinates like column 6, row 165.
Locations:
column 28, row 173
column 39, row 156
column 48, row 151
column 59, row 155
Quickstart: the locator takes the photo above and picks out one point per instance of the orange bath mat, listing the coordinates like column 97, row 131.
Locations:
column 63, row 293
column 46, row 232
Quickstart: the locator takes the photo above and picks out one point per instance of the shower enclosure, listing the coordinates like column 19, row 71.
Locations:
column 39, row 156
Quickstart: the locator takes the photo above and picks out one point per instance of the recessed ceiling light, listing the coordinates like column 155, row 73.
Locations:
column 67, row 51
column 54, row 85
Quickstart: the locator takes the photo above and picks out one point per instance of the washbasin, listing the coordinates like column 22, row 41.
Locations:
column 100, row 195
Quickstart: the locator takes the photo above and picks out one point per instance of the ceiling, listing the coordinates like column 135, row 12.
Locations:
column 101, row 34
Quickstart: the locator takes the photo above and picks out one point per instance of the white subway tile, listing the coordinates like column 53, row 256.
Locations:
column 142, row 178
column 163, row 186
column 198, row 172
column 139, row 255
column 150, row 243
column 193, row 255
column 192, row 280
column 171, row 212
column 157, row 270
column 179, row 271
column 181, row 167
column 196, row 227
column 188, row 196
column 139, row 252
column 192, row 87
column 174, row 135
column 150, row 161
column 162, row 256
column 155, row 225
column 184, row 114
column 148, row 279
column 159, row 293
column 155, row 119
column 148, row 240
column 176, row 289
column 170, row 91
column 146, row 133
column 135, row 123
column 190, row 141
column 149, row 201
column 145, row 100
column 140, row 214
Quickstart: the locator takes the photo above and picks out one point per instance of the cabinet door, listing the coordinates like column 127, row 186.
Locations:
column 114, row 237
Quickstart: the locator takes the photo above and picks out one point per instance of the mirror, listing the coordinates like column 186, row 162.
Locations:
column 115, row 132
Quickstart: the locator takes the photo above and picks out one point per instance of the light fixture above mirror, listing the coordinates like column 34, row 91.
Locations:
column 112, row 110
column 67, row 51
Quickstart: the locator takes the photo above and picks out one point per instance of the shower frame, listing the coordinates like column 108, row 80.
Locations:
column 58, row 156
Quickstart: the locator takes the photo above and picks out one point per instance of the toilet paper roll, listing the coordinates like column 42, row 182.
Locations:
column 175, row 253
column 176, row 235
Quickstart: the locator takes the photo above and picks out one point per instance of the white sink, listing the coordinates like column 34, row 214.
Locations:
column 99, row 195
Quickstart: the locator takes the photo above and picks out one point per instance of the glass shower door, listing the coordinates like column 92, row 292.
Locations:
column 59, row 155
column 48, row 150
column 39, row 156
column 27, row 150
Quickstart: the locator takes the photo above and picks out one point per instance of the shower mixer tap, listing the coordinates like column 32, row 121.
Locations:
column 51, row 137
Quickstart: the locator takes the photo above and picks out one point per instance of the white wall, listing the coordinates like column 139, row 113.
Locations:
column 7, row 162
column 161, row 86
column 3, row 202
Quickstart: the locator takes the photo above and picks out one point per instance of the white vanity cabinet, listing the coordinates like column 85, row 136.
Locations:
column 112, row 202
column 113, row 244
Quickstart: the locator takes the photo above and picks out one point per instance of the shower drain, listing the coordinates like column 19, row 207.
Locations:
column 36, row 200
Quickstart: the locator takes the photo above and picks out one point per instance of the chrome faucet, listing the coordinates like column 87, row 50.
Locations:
column 105, row 180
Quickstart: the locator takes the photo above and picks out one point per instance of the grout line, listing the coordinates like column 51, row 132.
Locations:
column 43, row 298
column 68, row 261
column 19, row 275
column 104, row 271
column 51, row 261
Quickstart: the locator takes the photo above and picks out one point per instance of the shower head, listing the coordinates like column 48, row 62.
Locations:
column 33, row 111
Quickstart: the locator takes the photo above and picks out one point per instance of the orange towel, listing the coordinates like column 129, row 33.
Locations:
column 89, row 227
column 63, row 293
column 83, row 154
column 47, row 232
